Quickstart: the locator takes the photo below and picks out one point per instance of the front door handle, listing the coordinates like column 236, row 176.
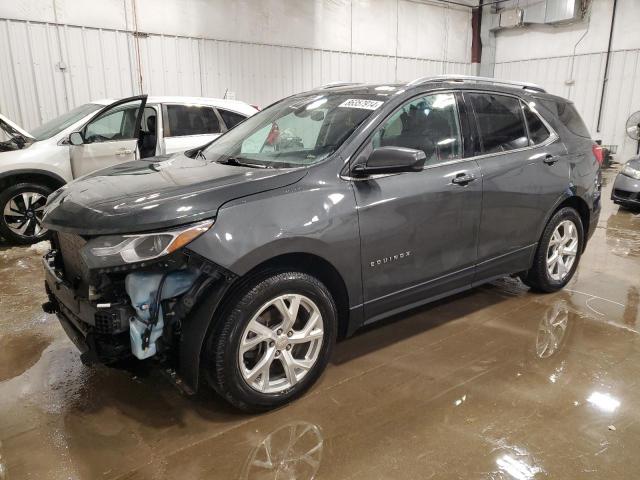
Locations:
column 550, row 159
column 124, row 151
column 463, row 179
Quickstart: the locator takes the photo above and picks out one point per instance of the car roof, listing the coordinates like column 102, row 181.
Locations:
column 387, row 91
column 233, row 105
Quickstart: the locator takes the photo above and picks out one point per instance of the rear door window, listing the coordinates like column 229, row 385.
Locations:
column 500, row 122
column 183, row 120
column 538, row 133
column 231, row 119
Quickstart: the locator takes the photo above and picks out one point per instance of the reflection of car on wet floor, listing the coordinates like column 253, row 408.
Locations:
column 626, row 188
column 552, row 329
column 291, row 452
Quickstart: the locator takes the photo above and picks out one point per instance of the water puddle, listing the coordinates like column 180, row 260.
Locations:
column 19, row 352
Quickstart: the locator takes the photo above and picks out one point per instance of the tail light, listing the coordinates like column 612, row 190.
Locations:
column 598, row 153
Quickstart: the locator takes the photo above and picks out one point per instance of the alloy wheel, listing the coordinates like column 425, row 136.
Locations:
column 562, row 250
column 23, row 214
column 281, row 343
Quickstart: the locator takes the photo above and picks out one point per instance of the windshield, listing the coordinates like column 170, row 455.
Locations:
column 295, row 132
column 58, row 124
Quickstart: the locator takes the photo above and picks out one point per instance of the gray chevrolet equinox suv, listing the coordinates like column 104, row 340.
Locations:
column 239, row 264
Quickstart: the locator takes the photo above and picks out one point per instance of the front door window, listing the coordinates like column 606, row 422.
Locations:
column 118, row 123
column 429, row 123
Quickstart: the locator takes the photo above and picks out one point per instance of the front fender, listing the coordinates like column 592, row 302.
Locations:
column 297, row 219
column 39, row 159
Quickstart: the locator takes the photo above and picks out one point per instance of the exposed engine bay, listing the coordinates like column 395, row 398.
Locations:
column 137, row 310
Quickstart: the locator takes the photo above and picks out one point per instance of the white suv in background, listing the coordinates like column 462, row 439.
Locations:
column 93, row 136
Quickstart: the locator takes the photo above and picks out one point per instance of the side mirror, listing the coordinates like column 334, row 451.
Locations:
column 391, row 160
column 317, row 115
column 76, row 138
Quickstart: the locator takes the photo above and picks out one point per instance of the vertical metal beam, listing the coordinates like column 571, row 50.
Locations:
column 61, row 56
column 488, row 39
column 476, row 42
column 136, row 39
column 606, row 67
column 397, row 35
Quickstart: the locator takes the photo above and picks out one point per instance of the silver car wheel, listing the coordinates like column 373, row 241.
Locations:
column 23, row 214
column 281, row 343
column 562, row 250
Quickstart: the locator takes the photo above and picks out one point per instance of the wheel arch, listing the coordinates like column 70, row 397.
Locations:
column 218, row 296
column 579, row 205
column 42, row 177
column 311, row 264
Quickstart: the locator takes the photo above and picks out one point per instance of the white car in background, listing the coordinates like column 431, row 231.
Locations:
column 93, row 136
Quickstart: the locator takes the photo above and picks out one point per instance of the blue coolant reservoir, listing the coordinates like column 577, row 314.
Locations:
column 141, row 288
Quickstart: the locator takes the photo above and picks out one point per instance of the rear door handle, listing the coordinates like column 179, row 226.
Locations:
column 550, row 160
column 124, row 151
column 463, row 179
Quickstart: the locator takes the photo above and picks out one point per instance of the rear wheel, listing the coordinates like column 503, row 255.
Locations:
column 558, row 252
column 22, row 207
column 273, row 341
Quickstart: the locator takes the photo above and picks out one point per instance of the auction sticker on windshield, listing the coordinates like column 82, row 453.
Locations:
column 361, row 103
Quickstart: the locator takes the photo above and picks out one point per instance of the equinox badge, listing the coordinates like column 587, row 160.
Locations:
column 393, row 258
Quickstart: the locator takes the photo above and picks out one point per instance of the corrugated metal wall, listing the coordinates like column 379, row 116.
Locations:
column 109, row 63
column 622, row 95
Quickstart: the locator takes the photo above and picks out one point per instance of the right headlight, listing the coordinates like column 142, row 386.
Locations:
column 114, row 250
column 629, row 171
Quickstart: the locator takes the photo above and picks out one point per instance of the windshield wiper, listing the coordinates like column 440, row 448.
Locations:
column 240, row 162
column 200, row 155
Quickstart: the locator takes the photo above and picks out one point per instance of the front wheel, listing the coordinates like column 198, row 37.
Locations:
column 273, row 342
column 558, row 252
column 22, row 207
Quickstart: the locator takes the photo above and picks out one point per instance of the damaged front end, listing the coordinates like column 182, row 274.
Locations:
column 135, row 296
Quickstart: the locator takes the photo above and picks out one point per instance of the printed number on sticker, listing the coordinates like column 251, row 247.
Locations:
column 361, row 103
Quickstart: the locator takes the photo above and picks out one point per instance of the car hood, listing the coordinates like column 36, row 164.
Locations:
column 8, row 126
column 156, row 193
column 634, row 162
column 11, row 130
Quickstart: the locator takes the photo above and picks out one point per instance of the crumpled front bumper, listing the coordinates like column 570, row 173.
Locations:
column 101, row 330
column 101, row 334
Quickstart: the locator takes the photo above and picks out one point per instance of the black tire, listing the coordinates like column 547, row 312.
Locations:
column 5, row 231
column 538, row 277
column 221, row 355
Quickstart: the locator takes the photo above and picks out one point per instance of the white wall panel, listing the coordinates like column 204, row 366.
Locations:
column 269, row 49
column 622, row 95
column 545, row 55
column 588, row 36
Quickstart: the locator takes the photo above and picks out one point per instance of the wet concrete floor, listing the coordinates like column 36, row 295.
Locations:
column 496, row 383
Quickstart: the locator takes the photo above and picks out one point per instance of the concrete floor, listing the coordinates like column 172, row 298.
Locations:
column 495, row 383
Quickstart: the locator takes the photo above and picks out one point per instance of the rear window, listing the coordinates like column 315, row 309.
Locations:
column 231, row 119
column 569, row 117
column 186, row 120
column 538, row 133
